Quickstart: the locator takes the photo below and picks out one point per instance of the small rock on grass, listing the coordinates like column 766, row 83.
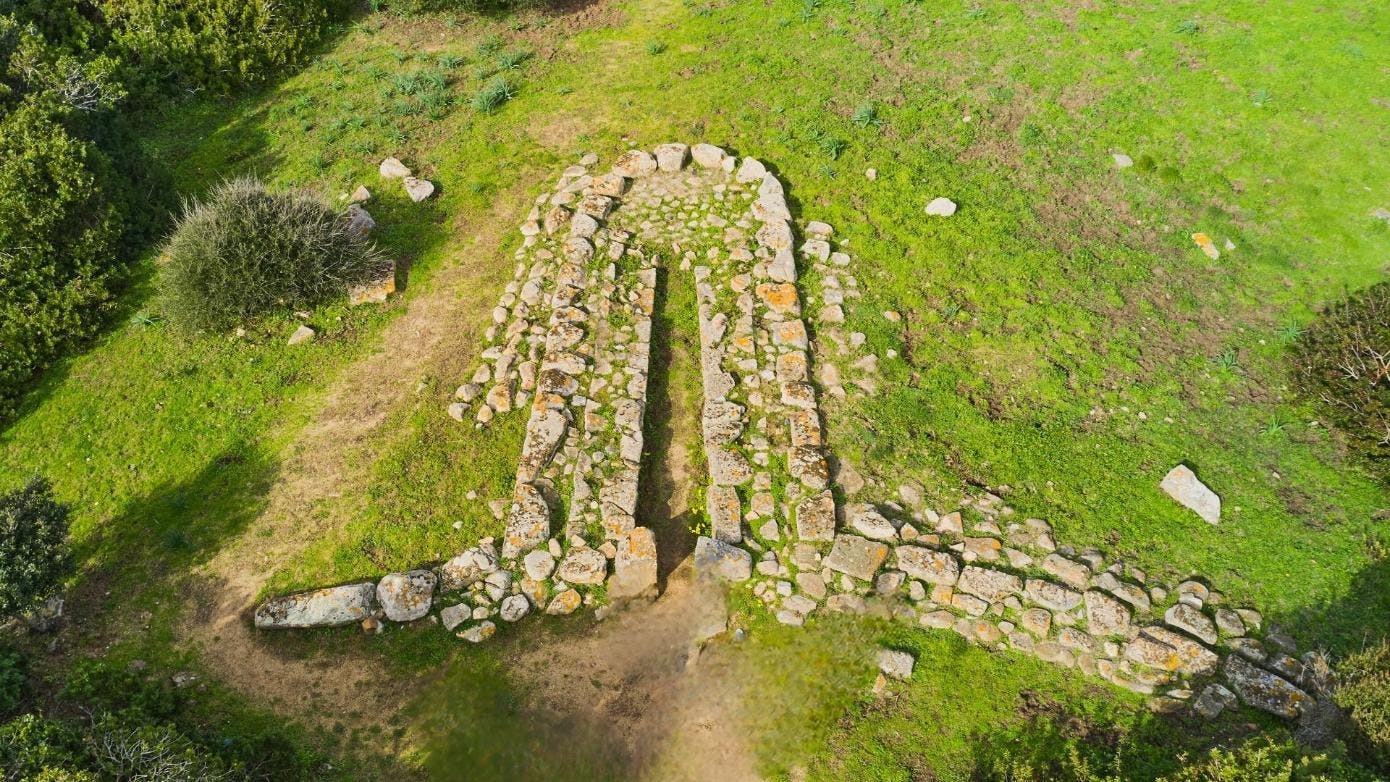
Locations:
column 1122, row 160
column 418, row 189
column 391, row 168
column 941, row 207
column 479, row 632
column 1208, row 246
column 896, row 664
column 1183, row 485
column 302, row 335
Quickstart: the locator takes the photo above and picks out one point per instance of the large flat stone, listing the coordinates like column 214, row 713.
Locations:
column 714, row 558
column 856, row 556
column 934, row 567
column 583, row 566
column 992, row 585
column 1165, row 650
column 1182, row 485
column 331, row 607
column 815, row 517
column 528, row 524
column 1192, row 621
column 1263, row 690
column 725, row 512
column 634, row 566
column 1051, row 595
column 1105, row 615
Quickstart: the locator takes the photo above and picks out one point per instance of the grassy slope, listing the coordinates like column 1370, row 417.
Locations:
column 1062, row 287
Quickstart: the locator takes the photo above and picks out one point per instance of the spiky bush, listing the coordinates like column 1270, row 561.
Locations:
column 1342, row 361
column 1365, row 694
column 246, row 251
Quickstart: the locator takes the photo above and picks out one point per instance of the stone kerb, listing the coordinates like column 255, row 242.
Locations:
column 570, row 344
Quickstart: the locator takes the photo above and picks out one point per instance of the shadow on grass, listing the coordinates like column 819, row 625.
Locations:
column 487, row 730
column 175, row 526
column 1355, row 621
column 673, row 347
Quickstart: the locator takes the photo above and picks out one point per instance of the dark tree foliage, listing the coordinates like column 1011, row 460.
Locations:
column 34, row 556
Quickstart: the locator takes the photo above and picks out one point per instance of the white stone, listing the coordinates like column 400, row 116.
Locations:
column 514, row 607
column 418, row 189
column 341, row 605
column 895, row 663
column 392, row 168
column 1182, row 485
column 302, row 335
column 941, row 207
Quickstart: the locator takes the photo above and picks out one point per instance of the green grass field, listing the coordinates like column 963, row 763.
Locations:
column 1063, row 336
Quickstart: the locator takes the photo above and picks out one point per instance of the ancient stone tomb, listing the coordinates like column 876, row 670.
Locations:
column 569, row 347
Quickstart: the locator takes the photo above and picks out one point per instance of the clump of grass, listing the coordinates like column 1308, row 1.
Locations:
column 489, row 46
column 510, row 61
column 1227, row 361
column 450, row 61
column 493, row 95
column 1187, row 27
column 866, row 116
column 655, row 47
column 828, row 144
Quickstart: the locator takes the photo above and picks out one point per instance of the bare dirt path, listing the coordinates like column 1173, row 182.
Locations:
column 667, row 709
column 324, row 461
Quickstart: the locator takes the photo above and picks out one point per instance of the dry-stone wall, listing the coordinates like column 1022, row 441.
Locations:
column 570, row 344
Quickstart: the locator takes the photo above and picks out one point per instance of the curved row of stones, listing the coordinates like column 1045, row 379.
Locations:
column 570, row 341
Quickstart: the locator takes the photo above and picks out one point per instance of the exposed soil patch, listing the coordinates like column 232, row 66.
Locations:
column 636, row 678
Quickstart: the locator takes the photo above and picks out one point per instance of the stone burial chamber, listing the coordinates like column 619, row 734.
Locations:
column 569, row 347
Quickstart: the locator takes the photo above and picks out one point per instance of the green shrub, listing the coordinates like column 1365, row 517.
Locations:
column 13, row 678
column 492, row 95
column 247, row 251
column 134, row 750
column 219, row 45
column 58, row 230
column 1342, row 361
column 101, row 686
column 1265, row 760
column 30, row 744
column 1365, row 694
column 34, row 556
